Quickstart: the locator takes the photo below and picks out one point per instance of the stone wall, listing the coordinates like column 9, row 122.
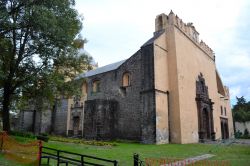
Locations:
column 59, row 118
column 241, row 126
column 25, row 121
column 46, row 121
column 99, row 119
column 34, row 121
column 128, row 110
column 148, row 114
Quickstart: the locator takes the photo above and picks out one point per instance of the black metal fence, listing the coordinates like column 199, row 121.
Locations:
column 138, row 161
column 70, row 158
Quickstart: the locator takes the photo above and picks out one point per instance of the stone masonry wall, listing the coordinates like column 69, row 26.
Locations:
column 128, row 115
column 60, row 118
column 99, row 119
column 148, row 114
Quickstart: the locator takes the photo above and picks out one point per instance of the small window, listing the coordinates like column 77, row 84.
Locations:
column 126, row 79
column 225, row 111
column 85, row 88
column 96, row 86
column 221, row 110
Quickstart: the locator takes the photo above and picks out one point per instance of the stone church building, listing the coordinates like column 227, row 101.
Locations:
column 168, row 91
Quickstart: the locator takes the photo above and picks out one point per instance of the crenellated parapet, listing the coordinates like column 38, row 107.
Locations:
column 164, row 21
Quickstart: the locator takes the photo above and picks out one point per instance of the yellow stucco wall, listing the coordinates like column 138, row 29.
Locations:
column 161, row 86
column 186, row 57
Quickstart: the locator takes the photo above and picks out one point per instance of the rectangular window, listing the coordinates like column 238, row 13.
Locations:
column 225, row 111
column 221, row 110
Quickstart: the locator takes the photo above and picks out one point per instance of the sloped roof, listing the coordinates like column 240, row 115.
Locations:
column 115, row 65
column 102, row 69
column 156, row 35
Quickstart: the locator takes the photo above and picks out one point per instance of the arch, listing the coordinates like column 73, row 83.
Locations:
column 205, row 110
column 85, row 88
column 206, row 123
column 96, row 86
column 224, row 128
column 126, row 79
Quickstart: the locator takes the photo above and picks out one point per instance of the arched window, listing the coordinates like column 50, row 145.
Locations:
column 126, row 79
column 96, row 86
column 85, row 88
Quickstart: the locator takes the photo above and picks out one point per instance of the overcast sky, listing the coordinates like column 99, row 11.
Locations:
column 115, row 29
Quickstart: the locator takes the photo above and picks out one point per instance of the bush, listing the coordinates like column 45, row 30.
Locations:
column 23, row 134
column 44, row 138
column 238, row 134
column 246, row 134
column 81, row 141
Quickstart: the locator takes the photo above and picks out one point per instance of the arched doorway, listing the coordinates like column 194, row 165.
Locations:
column 205, row 111
column 206, row 124
column 76, row 124
column 224, row 128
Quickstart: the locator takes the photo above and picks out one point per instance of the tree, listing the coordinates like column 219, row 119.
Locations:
column 34, row 34
column 241, row 111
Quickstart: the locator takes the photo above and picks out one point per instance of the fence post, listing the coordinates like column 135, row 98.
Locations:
column 115, row 163
column 3, row 133
column 82, row 160
column 58, row 160
column 40, row 152
column 136, row 159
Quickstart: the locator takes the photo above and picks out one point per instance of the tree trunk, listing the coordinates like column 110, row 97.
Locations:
column 6, row 108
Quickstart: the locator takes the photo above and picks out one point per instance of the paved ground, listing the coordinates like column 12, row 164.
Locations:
column 242, row 141
column 230, row 141
column 190, row 160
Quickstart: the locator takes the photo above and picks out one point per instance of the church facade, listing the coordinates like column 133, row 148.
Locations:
column 169, row 91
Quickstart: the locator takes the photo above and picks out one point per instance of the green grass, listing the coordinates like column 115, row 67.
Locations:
column 123, row 152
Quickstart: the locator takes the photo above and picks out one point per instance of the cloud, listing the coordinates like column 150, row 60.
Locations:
column 116, row 29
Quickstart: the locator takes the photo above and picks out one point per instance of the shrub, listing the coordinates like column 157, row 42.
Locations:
column 23, row 134
column 43, row 138
column 246, row 134
column 81, row 141
column 238, row 134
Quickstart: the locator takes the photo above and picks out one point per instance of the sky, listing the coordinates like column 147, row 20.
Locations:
column 116, row 29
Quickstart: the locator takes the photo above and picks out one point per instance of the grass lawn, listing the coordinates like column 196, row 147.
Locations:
column 123, row 152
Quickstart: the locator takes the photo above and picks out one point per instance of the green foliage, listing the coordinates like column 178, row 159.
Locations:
column 238, row 134
column 38, row 41
column 241, row 111
column 246, row 133
column 81, row 141
column 43, row 138
column 23, row 134
column 123, row 152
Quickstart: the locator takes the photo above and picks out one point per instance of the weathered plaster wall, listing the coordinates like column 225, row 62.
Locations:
column 241, row 126
column 174, row 100
column 191, row 61
column 59, row 118
column 161, row 88
column 25, row 120
column 34, row 121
